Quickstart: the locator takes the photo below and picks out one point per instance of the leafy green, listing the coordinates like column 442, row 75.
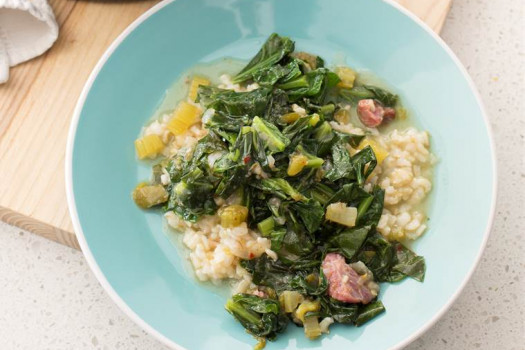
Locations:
column 358, row 93
column 386, row 98
column 408, row 263
column 321, row 193
column 349, row 241
column 368, row 312
column 339, row 311
column 269, row 273
column 364, row 162
column 309, row 283
column 390, row 261
column 232, row 103
column 314, row 84
column 222, row 123
column 370, row 209
column 208, row 144
column 269, row 76
column 274, row 50
column 296, row 247
column 300, row 128
column 311, row 213
column 261, row 317
column 278, row 105
column 351, row 194
column 186, row 197
column 341, row 166
column 278, row 187
column 272, row 138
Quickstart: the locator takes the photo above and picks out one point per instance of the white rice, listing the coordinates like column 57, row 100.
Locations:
column 215, row 251
column 405, row 175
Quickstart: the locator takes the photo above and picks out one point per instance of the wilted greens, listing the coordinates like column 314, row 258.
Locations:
column 274, row 149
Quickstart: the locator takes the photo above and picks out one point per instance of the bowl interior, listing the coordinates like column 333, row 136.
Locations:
column 131, row 249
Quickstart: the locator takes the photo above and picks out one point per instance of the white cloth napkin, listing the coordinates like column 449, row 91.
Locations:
column 27, row 29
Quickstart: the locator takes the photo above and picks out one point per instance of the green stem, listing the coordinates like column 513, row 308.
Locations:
column 266, row 226
column 363, row 206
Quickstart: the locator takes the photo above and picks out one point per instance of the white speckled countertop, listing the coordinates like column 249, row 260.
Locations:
column 49, row 299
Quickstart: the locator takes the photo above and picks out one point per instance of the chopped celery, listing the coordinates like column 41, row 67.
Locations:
column 194, row 86
column 347, row 77
column 301, row 159
column 289, row 118
column 149, row 146
column 266, row 226
column 341, row 214
column 184, row 116
column 147, row 196
column 233, row 215
column 312, row 330
column 307, row 306
column 290, row 300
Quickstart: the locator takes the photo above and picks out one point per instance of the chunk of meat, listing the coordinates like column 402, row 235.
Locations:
column 390, row 113
column 372, row 113
column 344, row 283
column 259, row 293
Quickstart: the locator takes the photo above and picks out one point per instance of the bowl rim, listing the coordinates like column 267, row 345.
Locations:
column 123, row 305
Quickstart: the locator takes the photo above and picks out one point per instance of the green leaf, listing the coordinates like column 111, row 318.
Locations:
column 368, row 312
column 270, row 135
column 356, row 94
column 269, row 76
column 312, row 84
column 274, row 50
column 278, row 187
column 311, row 214
column 351, row 194
column 349, row 241
column 269, row 273
column 310, row 283
column 231, row 103
column 408, row 263
column 295, row 248
column 341, row 166
column 372, row 213
column 364, row 162
column 386, row 98
column 261, row 317
column 339, row 311
column 379, row 256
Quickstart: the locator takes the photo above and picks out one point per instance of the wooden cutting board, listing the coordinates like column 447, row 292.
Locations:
column 37, row 103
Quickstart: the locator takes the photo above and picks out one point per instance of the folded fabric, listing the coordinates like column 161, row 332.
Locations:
column 27, row 29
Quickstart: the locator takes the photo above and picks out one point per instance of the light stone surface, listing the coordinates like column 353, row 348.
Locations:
column 49, row 299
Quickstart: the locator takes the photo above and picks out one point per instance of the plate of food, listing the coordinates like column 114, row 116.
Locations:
column 281, row 174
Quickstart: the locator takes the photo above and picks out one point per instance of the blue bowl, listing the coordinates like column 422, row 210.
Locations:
column 126, row 247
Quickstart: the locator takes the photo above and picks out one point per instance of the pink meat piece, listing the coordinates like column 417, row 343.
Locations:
column 372, row 113
column 344, row 283
column 259, row 293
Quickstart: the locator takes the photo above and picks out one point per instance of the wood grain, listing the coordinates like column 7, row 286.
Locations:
column 432, row 12
column 37, row 103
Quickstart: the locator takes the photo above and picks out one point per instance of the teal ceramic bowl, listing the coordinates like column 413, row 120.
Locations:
column 131, row 255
